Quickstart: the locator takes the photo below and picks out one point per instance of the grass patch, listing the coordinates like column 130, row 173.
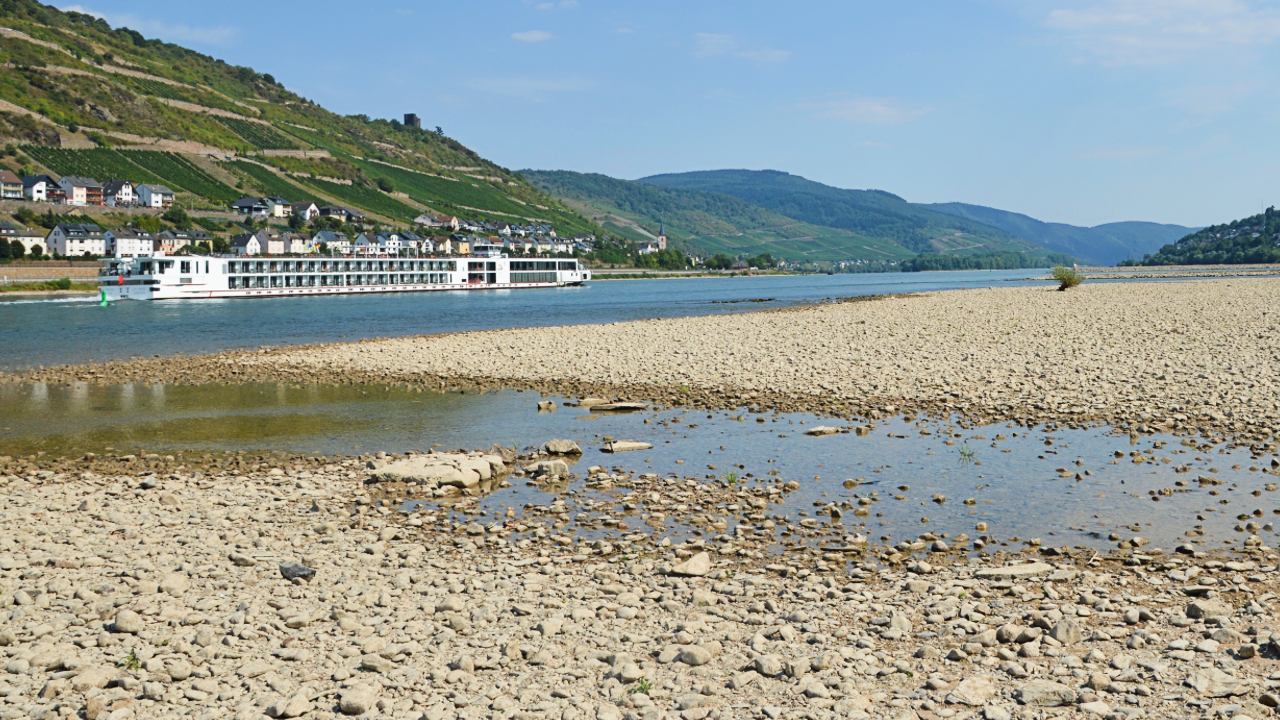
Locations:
column 61, row 284
column 1067, row 277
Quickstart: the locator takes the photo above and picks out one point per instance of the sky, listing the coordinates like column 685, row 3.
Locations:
column 1082, row 112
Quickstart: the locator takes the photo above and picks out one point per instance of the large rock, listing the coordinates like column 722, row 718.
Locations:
column 696, row 566
column 358, row 700
column 1199, row 609
column 974, row 690
column 1067, row 632
column 175, row 584
column 442, row 470
column 1212, row 682
column 1046, row 693
column 128, row 621
column 618, row 446
column 549, row 469
column 562, row 447
column 822, row 430
column 290, row 707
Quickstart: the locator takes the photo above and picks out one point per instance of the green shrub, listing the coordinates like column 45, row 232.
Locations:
column 1067, row 277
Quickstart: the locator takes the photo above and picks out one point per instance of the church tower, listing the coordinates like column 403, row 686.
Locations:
column 662, row 235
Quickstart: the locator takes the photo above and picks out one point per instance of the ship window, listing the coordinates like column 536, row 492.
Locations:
column 570, row 265
column 186, row 267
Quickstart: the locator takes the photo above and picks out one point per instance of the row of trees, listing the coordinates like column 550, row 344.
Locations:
column 16, row 251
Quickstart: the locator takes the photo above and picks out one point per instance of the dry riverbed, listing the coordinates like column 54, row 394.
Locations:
column 148, row 586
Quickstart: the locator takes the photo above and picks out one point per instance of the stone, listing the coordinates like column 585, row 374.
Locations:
column 179, row 670
column 768, row 665
column 822, row 431
column 1098, row 681
column 290, row 707
column 1067, row 632
column 175, row 584
column 377, row 663
column 974, row 690
column 1203, row 608
column 562, row 447
column 127, row 621
column 92, row 678
column 1097, row 707
column 255, row 668
column 358, row 700
column 549, row 469
column 618, row 446
column 696, row 566
column 1212, row 682
column 1046, row 693
column 695, row 655
column 241, row 560
column 94, row 708
column 292, row 571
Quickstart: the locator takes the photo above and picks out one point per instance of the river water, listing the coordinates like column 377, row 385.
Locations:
column 68, row 330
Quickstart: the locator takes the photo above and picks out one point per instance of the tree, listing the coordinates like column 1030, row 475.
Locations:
column 25, row 216
column 5, row 249
column 146, row 223
column 178, row 217
column 221, row 245
column 37, row 250
column 385, row 185
column 297, row 222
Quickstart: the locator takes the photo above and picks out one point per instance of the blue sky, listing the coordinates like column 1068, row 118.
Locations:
column 1081, row 112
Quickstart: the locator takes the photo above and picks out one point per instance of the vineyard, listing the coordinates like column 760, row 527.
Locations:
column 365, row 198
column 155, row 88
column 257, row 134
column 431, row 190
column 101, row 164
column 180, row 172
column 270, row 183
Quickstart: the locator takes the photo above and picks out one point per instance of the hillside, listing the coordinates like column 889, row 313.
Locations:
column 79, row 97
column 869, row 213
column 705, row 223
column 1250, row 240
column 1101, row 245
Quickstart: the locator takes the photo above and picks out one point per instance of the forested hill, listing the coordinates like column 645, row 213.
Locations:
column 1250, row 240
column 871, row 213
column 1101, row 245
column 705, row 223
column 83, row 98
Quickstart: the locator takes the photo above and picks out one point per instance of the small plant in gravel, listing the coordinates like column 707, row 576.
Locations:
column 131, row 662
column 967, row 454
column 1067, row 277
column 641, row 686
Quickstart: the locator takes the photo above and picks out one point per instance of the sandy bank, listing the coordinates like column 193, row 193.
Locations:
column 1179, row 357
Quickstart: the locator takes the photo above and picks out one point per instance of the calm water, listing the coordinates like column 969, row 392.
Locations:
column 60, row 331
column 1014, row 483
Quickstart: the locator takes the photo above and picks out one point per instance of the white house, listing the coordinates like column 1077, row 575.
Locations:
column 334, row 242
column 27, row 237
column 246, row 244
column 155, row 196
column 278, row 207
column 307, row 210
column 271, row 242
column 81, row 190
column 378, row 243
column 297, row 243
column 10, row 185
column 76, row 239
column 118, row 192
column 35, row 188
column 128, row 242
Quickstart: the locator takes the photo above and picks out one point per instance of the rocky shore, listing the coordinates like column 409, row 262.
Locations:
column 1186, row 358
column 247, row 586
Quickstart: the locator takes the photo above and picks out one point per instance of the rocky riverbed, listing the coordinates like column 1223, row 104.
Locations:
column 1187, row 358
column 215, row 586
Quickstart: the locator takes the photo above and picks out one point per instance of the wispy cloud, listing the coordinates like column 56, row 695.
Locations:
column 1127, row 152
column 530, row 88
column 881, row 110
column 563, row 5
column 1209, row 99
column 177, row 32
column 532, row 36
column 716, row 44
column 1157, row 32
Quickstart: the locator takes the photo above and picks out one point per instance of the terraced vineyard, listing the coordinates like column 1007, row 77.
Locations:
column 101, row 164
column 270, row 183
column 155, row 88
column 257, row 134
column 431, row 190
column 180, row 172
column 365, row 198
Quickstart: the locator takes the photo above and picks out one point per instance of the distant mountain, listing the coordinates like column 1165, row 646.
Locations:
column 1249, row 240
column 703, row 222
column 869, row 213
column 1102, row 245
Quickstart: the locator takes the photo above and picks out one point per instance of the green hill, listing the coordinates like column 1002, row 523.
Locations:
column 83, row 98
column 871, row 214
column 1101, row 245
column 705, row 223
column 1249, row 240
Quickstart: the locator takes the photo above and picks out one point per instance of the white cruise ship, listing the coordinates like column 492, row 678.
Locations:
column 192, row 277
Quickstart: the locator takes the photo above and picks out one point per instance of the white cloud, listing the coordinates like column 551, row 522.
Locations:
column 528, row 88
column 868, row 109
column 1209, row 99
column 715, row 44
column 532, row 36
column 175, row 33
column 1156, row 32
column 563, row 5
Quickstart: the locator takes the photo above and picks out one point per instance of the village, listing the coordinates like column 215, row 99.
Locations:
column 333, row 229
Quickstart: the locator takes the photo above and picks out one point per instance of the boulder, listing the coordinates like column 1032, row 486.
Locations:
column 128, row 621
column 1067, row 632
column 972, row 691
column 696, row 566
column 1199, row 609
column 549, row 469
column 822, row 430
column 358, row 700
column 562, row 447
column 293, row 571
column 618, row 446
column 1212, row 682
column 1046, row 693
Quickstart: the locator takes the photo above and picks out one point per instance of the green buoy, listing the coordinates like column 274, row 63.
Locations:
column 104, row 297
